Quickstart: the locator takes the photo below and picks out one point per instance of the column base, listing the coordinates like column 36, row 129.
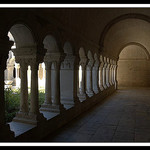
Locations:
column 90, row 93
column 101, row 88
column 108, row 85
column 52, row 108
column 29, row 118
column 105, row 86
column 70, row 102
column 96, row 91
column 82, row 97
column 6, row 134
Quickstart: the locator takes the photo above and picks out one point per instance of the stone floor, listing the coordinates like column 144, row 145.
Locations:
column 121, row 117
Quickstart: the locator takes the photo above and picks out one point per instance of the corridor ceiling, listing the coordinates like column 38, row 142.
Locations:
column 110, row 29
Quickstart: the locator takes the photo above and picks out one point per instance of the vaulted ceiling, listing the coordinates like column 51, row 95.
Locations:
column 111, row 29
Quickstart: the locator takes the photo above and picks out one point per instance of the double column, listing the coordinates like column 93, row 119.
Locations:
column 115, row 74
column 69, row 81
column 108, row 72
column 101, row 73
column 95, row 75
column 28, row 113
column 52, row 92
column 89, row 90
column 104, row 73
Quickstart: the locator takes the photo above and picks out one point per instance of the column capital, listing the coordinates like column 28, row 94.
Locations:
column 23, row 63
column 68, row 62
column 83, row 62
column 51, row 57
column 47, row 65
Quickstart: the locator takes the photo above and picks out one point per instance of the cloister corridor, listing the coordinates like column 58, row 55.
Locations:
column 75, row 75
column 121, row 117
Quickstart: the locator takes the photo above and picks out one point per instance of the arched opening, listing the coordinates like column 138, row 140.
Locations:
column 52, row 60
column 133, row 66
column 18, row 100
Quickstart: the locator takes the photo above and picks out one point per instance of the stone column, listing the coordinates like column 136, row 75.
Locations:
column 57, row 106
column 2, row 98
column 107, row 72
column 115, row 74
column 101, row 76
column 17, row 67
column 24, row 108
column 113, row 68
column 24, row 88
column 48, row 83
column 89, row 90
column 5, row 133
column 104, row 74
column 34, row 114
column 48, row 102
column 34, row 106
column 69, row 81
column 95, row 75
column 76, row 81
column 110, row 73
column 82, row 95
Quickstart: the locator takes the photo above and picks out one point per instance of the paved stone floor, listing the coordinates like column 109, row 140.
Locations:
column 121, row 117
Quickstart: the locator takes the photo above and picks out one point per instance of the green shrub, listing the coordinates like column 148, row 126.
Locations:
column 12, row 102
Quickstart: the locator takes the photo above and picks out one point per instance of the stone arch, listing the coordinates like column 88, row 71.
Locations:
column 143, row 48
column 68, row 49
column 82, row 52
column 133, row 65
column 117, row 19
column 50, row 44
column 51, row 34
column 23, row 31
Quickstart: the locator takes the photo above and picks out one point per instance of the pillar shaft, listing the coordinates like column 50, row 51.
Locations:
column 34, row 106
column 76, row 80
column 95, row 74
column 2, row 98
column 48, row 84
column 113, row 70
column 104, row 76
column 89, row 81
column 115, row 76
column 101, row 77
column 83, row 81
column 24, row 88
column 110, row 75
column 56, row 83
column 107, row 75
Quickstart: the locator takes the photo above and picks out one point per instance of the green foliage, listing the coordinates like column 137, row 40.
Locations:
column 12, row 102
column 41, row 97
